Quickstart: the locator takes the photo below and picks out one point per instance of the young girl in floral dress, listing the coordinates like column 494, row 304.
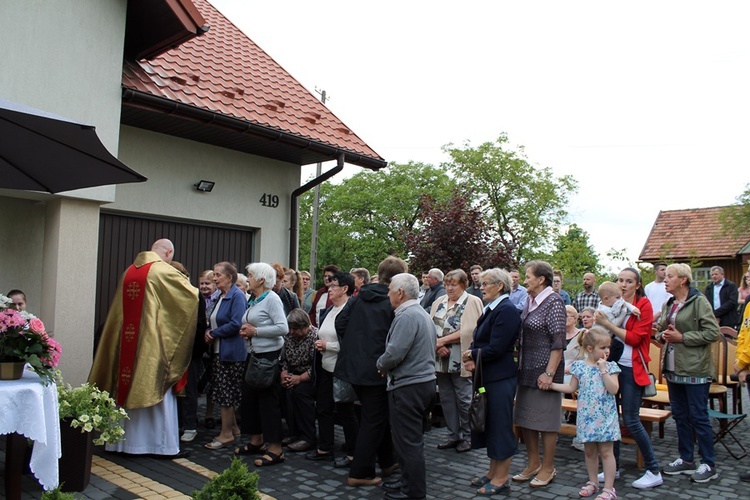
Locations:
column 598, row 426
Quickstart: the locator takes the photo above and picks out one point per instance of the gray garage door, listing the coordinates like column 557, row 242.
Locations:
column 197, row 247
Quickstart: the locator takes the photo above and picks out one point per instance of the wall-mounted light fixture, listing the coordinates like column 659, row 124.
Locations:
column 205, row 186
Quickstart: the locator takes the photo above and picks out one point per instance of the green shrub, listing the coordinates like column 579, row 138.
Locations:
column 56, row 494
column 235, row 483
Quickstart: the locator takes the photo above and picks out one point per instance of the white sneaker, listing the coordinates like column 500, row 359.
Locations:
column 648, row 480
column 188, row 436
column 600, row 476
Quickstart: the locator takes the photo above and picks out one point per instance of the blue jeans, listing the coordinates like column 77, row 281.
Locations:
column 629, row 399
column 689, row 404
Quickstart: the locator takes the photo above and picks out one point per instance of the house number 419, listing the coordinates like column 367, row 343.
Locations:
column 269, row 200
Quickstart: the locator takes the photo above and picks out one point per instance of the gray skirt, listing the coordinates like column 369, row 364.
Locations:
column 537, row 410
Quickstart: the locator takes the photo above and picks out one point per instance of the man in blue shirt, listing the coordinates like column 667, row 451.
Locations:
column 557, row 283
column 518, row 294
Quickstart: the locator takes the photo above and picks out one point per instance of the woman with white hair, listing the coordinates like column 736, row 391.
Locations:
column 264, row 327
column 494, row 340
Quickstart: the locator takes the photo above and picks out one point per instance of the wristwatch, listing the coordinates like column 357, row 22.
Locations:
column 548, row 374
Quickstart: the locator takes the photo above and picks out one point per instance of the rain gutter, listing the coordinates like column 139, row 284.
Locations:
column 293, row 218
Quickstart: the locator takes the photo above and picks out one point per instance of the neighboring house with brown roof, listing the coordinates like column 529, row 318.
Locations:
column 696, row 234
column 179, row 94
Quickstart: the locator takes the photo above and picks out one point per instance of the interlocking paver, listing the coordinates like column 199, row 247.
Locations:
column 448, row 473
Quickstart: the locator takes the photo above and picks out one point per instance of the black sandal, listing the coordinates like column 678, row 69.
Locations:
column 250, row 449
column 269, row 458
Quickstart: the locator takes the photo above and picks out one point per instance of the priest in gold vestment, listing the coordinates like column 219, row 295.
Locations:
column 145, row 349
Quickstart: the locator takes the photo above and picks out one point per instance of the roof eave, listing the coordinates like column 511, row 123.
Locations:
column 156, row 26
column 323, row 151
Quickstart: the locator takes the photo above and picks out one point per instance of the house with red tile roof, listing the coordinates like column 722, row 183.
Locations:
column 696, row 235
column 179, row 94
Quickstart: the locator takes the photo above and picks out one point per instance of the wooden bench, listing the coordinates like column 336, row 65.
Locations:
column 648, row 417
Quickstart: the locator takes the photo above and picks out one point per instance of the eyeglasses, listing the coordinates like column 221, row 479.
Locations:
column 486, row 283
column 327, row 277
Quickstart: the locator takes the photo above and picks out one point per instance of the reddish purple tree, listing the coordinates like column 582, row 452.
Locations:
column 451, row 235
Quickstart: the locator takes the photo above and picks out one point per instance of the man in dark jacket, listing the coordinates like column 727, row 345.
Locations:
column 435, row 280
column 362, row 327
column 722, row 294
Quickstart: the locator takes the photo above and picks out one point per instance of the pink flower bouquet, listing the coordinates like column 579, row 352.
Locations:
column 24, row 338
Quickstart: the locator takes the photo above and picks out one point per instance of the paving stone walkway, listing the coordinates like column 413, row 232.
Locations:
column 116, row 476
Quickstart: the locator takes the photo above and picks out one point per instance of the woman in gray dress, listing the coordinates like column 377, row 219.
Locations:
column 542, row 341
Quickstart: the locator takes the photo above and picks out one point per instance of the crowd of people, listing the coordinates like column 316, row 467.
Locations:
column 282, row 351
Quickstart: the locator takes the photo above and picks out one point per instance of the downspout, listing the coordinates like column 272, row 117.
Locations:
column 293, row 225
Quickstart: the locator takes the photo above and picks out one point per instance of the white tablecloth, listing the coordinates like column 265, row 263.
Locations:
column 29, row 408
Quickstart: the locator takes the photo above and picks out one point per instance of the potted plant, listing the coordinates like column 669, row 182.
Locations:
column 24, row 340
column 235, row 483
column 85, row 410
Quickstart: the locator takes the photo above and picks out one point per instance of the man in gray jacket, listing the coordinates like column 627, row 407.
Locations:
column 409, row 363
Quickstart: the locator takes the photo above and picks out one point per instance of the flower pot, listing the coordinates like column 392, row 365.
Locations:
column 11, row 370
column 75, row 462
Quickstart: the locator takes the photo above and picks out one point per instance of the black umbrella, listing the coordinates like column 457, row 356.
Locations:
column 40, row 151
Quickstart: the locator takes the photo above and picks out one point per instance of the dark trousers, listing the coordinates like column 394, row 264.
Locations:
column 407, row 408
column 347, row 417
column 303, row 411
column 689, row 404
column 374, row 437
column 261, row 408
column 629, row 398
column 324, row 407
column 189, row 404
column 328, row 412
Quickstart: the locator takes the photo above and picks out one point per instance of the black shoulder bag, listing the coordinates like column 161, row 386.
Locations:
column 478, row 406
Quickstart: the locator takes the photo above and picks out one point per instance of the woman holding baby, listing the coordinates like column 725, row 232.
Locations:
column 635, row 335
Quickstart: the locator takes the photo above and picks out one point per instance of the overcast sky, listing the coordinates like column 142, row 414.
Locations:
column 646, row 104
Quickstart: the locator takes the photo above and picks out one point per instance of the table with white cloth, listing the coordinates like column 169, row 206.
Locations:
column 29, row 409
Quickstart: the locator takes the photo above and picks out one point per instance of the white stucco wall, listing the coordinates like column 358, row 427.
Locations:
column 21, row 240
column 174, row 165
column 64, row 57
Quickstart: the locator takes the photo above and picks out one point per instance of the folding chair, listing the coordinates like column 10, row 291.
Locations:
column 728, row 421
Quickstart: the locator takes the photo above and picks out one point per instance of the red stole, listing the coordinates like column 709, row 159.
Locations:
column 133, row 294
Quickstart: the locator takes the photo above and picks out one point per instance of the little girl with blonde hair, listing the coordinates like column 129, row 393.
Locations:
column 597, row 420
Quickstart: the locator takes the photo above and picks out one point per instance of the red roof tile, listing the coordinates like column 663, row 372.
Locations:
column 223, row 71
column 691, row 233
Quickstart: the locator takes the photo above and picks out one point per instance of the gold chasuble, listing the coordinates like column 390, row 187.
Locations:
column 153, row 355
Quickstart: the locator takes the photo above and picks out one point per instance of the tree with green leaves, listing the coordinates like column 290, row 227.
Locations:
column 735, row 219
column 526, row 203
column 574, row 256
column 453, row 234
column 364, row 218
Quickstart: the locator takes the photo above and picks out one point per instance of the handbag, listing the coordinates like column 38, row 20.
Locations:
column 478, row 405
column 649, row 391
column 343, row 392
column 261, row 372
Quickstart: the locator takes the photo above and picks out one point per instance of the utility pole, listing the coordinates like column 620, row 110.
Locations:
column 316, row 207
